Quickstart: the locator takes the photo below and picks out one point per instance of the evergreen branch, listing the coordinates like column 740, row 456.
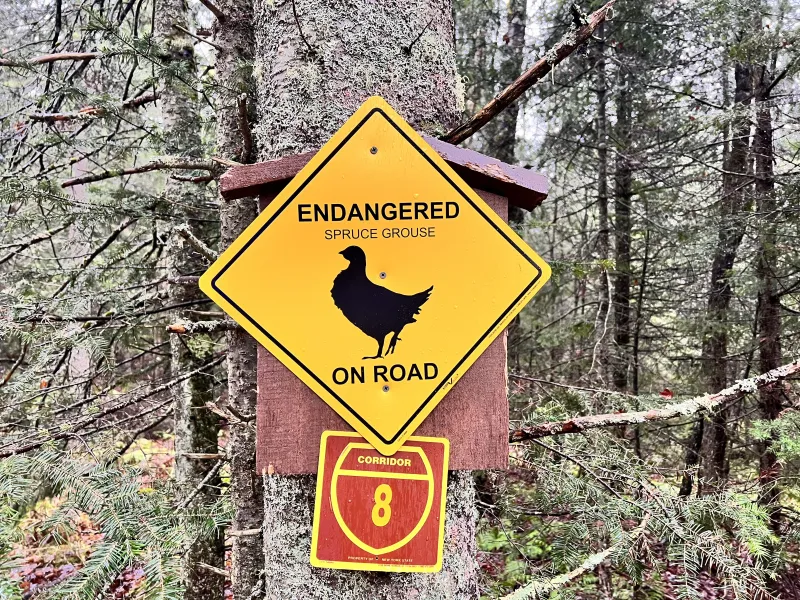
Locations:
column 97, row 252
column 88, row 112
column 570, row 42
column 42, row 237
column 50, row 58
column 69, row 429
column 7, row 377
column 200, row 327
column 542, row 589
column 165, row 162
column 184, row 231
column 107, row 318
column 707, row 403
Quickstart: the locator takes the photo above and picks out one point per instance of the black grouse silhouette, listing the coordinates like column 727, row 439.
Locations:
column 372, row 308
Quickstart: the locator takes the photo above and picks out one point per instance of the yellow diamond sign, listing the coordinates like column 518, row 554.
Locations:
column 377, row 276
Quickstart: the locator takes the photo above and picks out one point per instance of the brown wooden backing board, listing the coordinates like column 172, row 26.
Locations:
column 521, row 187
column 473, row 416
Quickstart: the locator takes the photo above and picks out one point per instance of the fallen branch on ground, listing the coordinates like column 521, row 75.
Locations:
column 164, row 162
column 570, row 42
column 708, row 403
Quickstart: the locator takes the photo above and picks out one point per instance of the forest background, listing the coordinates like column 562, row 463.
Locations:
column 670, row 140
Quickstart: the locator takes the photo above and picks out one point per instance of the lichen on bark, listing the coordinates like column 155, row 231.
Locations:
column 312, row 71
column 310, row 83
column 289, row 506
column 196, row 428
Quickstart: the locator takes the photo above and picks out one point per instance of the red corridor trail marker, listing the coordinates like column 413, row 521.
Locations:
column 380, row 513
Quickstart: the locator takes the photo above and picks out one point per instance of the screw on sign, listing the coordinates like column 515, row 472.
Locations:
column 380, row 513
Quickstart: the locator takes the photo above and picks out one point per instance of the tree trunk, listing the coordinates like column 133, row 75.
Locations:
column 735, row 182
column 234, row 74
column 316, row 62
column 196, row 428
column 600, row 359
column 623, row 190
column 500, row 134
column 769, row 316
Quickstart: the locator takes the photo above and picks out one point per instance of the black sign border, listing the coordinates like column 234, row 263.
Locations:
column 300, row 363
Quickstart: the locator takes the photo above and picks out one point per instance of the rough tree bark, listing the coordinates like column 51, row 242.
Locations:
column 316, row 62
column 600, row 359
column 735, row 184
column 769, row 316
column 500, row 134
column 196, row 428
column 623, row 191
column 234, row 35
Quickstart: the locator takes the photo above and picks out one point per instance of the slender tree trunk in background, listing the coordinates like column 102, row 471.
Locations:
column 500, row 134
column 601, row 358
column 623, row 190
column 196, row 428
column 234, row 75
column 769, row 317
column 312, row 71
column 695, row 440
column 735, row 184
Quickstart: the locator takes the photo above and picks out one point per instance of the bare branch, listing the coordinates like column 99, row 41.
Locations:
column 570, row 42
column 184, row 280
column 193, row 178
column 209, row 476
column 244, row 128
column 197, row 327
column 214, row 9
column 194, row 242
column 197, row 37
column 203, row 455
column 215, row 570
column 89, row 112
column 163, row 162
column 34, row 240
column 686, row 408
column 225, row 161
column 50, row 58
column 141, row 100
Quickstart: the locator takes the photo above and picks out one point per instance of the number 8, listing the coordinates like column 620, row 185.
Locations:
column 382, row 511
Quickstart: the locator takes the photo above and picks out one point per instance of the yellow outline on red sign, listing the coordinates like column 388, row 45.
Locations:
column 338, row 471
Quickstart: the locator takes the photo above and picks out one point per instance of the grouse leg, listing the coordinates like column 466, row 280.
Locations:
column 393, row 343
column 380, row 351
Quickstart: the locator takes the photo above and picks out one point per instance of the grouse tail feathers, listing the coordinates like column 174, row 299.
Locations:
column 421, row 298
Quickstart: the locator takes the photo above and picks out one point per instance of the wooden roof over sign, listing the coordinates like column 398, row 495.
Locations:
column 523, row 187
